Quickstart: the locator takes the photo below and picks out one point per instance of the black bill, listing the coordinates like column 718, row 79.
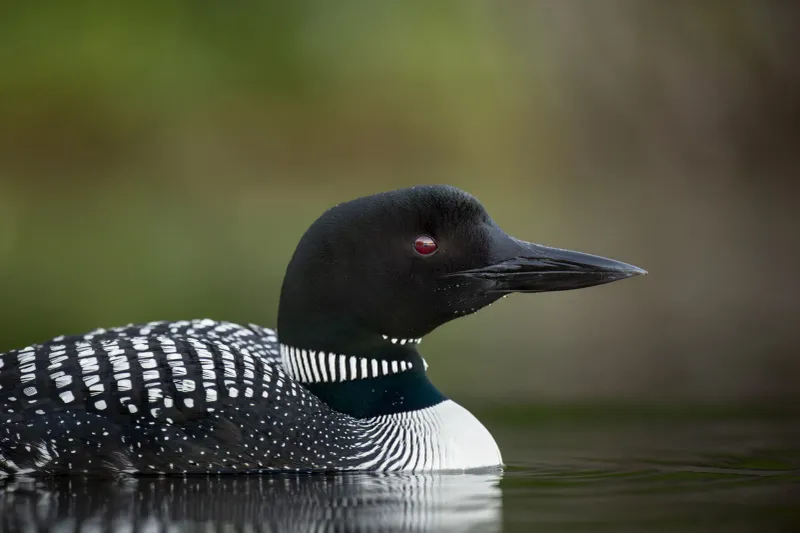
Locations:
column 536, row 268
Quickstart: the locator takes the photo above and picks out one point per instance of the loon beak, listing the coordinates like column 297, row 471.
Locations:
column 536, row 268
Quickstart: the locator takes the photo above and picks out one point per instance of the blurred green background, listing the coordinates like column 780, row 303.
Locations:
column 161, row 160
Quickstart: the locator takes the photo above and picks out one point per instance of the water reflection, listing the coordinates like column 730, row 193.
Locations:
column 355, row 502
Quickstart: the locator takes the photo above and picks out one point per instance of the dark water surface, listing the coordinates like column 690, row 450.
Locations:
column 567, row 470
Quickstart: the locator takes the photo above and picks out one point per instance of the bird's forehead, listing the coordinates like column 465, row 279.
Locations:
column 439, row 210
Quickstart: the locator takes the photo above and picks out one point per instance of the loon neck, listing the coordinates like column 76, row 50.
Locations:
column 379, row 381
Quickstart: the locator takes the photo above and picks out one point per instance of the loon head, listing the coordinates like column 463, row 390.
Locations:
column 378, row 273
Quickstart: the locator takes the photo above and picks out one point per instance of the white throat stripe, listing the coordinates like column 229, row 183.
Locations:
column 310, row 366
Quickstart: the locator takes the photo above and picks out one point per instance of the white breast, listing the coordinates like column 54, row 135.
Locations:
column 462, row 441
column 443, row 437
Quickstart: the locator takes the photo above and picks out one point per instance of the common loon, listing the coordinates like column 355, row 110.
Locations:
column 340, row 386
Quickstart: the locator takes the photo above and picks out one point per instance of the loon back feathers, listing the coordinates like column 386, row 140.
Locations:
column 162, row 397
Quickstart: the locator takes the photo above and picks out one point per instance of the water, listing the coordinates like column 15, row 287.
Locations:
column 568, row 470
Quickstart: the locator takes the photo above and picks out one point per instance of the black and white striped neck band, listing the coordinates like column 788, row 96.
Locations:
column 310, row 366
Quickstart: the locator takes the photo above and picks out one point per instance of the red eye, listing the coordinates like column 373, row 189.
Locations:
column 425, row 245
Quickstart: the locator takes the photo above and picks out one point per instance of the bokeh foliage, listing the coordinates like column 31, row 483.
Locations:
column 160, row 161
